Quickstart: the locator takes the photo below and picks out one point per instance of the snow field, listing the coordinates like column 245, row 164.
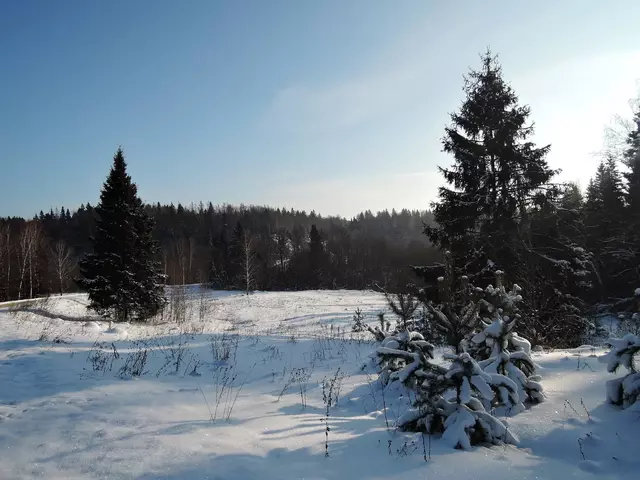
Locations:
column 260, row 361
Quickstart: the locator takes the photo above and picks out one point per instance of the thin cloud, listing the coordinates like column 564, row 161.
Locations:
column 343, row 104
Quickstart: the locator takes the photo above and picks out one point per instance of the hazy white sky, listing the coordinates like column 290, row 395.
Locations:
column 333, row 106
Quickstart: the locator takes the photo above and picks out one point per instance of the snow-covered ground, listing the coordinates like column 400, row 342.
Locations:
column 71, row 406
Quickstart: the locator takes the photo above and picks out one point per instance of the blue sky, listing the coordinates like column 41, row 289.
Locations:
column 336, row 106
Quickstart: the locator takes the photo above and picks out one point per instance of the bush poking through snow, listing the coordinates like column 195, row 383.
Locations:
column 623, row 391
column 136, row 361
column 102, row 355
column 301, row 377
column 330, row 395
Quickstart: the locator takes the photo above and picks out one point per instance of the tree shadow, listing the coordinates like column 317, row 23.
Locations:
column 602, row 443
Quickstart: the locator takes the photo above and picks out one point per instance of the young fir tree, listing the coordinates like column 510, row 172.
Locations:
column 499, row 349
column 498, row 173
column 121, row 275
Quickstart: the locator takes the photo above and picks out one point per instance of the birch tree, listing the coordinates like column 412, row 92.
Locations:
column 248, row 263
column 63, row 263
column 28, row 249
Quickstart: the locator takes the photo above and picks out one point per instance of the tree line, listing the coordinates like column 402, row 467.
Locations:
column 229, row 247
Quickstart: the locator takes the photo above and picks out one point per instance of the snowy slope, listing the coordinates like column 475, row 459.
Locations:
column 258, row 359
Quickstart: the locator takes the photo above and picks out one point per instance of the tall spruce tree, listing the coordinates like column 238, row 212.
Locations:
column 122, row 275
column 500, row 209
column 497, row 175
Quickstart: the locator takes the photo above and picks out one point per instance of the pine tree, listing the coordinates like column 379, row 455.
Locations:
column 497, row 174
column 121, row 274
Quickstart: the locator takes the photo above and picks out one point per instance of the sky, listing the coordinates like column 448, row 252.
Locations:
column 333, row 106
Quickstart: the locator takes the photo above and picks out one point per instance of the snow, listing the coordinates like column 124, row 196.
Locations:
column 258, row 358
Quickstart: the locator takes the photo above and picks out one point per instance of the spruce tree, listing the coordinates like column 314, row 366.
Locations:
column 607, row 229
column 316, row 257
column 121, row 275
column 499, row 210
column 444, row 400
column 219, row 260
column 632, row 161
column 496, row 176
column 632, row 200
column 236, row 249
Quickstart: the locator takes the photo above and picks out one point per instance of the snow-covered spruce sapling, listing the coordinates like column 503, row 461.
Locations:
column 461, row 417
column 358, row 321
column 400, row 354
column 623, row 391
column 457, row 313
column 449, row 401
column 499, row 349
column 404, row 306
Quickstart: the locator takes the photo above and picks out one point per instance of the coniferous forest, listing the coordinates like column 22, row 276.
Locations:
column 289, row 249
column 501, row 207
